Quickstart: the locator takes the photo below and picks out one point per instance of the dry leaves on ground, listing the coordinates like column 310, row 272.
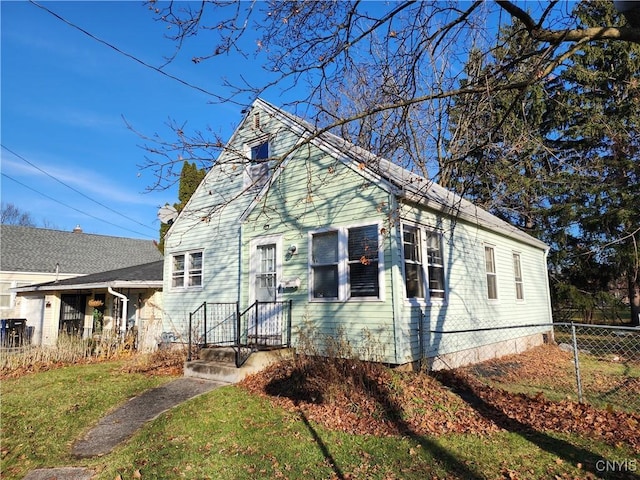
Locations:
column 361, row 398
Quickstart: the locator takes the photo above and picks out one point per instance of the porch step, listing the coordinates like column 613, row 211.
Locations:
column 220, row 365
column 218, row 354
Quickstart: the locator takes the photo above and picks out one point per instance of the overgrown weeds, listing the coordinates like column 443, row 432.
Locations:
column 165, row 361
column 68, row 350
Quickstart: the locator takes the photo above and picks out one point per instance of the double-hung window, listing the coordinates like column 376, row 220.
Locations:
column 423, row 263
column 517, row 275
column 6, row 296
column 490, row 268
column 413, row 269
column 187, row 270
column 345, row 263
column 435, row 265
column 258, row 169
column 324, row 265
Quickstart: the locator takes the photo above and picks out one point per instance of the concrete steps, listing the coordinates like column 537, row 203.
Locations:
column 218, row 364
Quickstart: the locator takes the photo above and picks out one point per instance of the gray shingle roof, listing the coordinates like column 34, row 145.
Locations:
column 28, row 249
column 146, row 275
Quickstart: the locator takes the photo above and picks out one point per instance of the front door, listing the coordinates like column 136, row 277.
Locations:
column 266, row 278
column 265, row 324
column 72, row 312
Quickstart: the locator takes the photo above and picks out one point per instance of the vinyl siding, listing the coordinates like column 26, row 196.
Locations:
column 467, row 306
column 313, row 190
column 211, row 222
column 316, row 191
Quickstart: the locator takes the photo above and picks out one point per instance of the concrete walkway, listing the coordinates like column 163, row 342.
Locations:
column 123, row 422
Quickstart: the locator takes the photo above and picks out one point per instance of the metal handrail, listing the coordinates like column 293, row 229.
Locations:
column 242, row 339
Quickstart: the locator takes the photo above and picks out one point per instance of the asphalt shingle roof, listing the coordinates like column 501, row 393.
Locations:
column 148, row 272
column 29, row 249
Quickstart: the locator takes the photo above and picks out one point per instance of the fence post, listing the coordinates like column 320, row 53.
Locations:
column 421, row 362
column 238, row 325
column 289, row 324
column 576, row 361
column 189, row 351
column 255, row 341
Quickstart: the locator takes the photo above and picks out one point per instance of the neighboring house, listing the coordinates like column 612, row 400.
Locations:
column 118, row 301
column 372, row 257
column 30, row 256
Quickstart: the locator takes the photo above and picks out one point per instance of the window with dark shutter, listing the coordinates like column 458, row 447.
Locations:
column 363, row 261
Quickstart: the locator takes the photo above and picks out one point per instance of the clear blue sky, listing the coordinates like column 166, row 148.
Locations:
column 64, row 96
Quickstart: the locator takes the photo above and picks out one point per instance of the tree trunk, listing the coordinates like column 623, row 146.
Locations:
column 634, row 299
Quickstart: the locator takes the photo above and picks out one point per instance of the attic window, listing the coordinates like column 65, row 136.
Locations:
column 258, row 169
column 260, row 151
column 256, row 121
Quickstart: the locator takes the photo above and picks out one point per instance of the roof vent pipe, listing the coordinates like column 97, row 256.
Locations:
column 77, row 229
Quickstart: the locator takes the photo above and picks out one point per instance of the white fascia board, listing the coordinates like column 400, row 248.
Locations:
column 89, row 286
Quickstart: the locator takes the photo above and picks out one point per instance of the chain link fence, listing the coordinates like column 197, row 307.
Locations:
column 594, row 364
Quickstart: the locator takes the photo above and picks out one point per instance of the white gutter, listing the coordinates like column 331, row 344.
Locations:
column 125, row 300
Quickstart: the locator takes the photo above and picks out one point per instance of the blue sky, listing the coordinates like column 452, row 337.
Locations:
column 63, row 99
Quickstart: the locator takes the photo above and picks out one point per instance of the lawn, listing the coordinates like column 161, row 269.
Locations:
column 239, row 432
column 606, row 383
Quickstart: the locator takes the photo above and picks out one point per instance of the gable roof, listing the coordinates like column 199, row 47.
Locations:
column 29, row 249
column 148, row 275
column 404, row 183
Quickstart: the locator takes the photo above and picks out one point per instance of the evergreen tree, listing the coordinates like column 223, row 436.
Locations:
column 560, row 159
column 190, row 178
column 595, row 108
column 498, row 154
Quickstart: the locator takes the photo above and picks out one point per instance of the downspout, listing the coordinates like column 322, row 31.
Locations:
column 240, row 230
column 396, row 298
column 125, row 301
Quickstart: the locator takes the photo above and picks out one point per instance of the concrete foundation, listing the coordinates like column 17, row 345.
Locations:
column 486, row 352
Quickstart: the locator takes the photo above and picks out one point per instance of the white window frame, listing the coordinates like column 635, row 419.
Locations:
column 187, row 272
column 423, row 232
column 254, row 267
column 344, row 287
column 517, row 276
column 10, row 294
column 491, row 274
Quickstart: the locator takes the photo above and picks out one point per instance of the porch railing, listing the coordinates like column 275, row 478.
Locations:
column 263, row 325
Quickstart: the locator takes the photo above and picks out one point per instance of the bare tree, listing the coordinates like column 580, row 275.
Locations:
column 12, row 215
column 380, row 75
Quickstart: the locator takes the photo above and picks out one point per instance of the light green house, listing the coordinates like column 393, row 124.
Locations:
column 371, row 260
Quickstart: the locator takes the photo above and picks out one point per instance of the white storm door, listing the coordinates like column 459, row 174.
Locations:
column 265, row 318
column 266, row 275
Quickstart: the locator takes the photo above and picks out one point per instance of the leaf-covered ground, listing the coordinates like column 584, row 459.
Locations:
column 362, row 398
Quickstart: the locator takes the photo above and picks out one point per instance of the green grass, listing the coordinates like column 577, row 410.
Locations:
column 229, row 434
column 42, row 414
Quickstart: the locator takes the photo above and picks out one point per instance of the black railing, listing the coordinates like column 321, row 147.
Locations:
column 263, row 325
